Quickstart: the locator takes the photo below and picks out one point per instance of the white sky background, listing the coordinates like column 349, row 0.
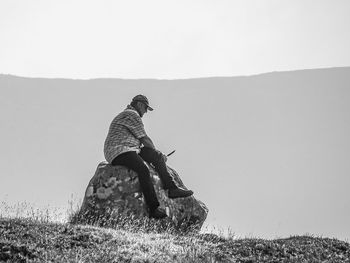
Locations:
column 184, row 39
column 171, row 39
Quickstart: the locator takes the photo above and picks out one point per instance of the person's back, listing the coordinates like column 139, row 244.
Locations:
column 123, row 134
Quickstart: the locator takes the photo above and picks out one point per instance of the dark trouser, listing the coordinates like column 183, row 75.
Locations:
column 134, row 161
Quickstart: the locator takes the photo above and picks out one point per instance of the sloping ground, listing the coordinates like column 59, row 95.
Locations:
column 25, row 240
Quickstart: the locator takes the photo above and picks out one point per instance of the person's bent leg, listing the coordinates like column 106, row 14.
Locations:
column 156, row 159
column 134, row 162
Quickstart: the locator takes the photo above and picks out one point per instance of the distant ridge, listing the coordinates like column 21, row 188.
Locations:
column 293, row 125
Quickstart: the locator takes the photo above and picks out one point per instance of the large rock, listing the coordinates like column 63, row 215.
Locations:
column 114, row 191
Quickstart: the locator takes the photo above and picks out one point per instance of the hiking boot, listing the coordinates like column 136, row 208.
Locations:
column 158, row 213
column 179, row 192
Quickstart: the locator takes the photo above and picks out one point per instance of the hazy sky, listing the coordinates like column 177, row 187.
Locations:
column 284, row 141
column 171, row 39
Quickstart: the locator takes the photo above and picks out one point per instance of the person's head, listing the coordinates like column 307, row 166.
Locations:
column 140, row 103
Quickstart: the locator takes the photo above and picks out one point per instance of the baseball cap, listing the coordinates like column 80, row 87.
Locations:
column 143, row 99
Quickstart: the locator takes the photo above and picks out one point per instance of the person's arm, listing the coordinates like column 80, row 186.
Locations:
column 147, row 142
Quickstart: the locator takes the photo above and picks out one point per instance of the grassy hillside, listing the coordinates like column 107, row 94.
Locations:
column 28, row 240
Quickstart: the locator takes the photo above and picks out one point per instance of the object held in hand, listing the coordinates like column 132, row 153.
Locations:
column 170, row 153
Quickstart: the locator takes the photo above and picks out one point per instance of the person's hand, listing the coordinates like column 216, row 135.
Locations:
column 162, row 156
column 165, row 158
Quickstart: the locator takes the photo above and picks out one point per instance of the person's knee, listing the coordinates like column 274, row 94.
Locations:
column 152, row 155
column 158, row 156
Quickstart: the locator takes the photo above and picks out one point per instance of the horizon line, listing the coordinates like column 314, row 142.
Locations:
column 175, row 79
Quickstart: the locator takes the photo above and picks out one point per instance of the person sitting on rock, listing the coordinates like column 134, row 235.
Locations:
column 127, row 144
